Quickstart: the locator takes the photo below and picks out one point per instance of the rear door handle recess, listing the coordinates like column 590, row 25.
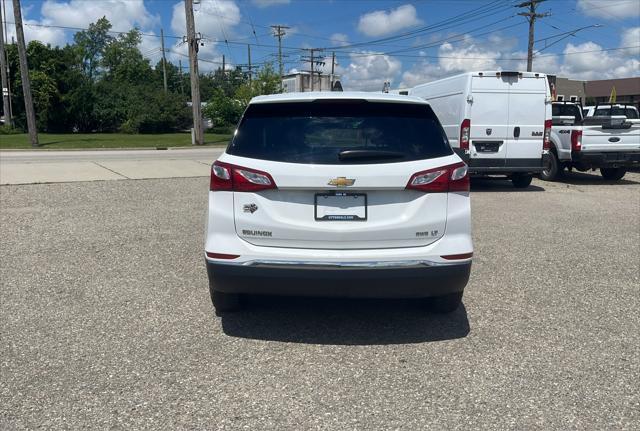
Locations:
column 516, row 132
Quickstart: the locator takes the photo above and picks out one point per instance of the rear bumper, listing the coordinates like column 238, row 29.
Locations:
column 611, row 159
column 412, row 279
column 501, row 166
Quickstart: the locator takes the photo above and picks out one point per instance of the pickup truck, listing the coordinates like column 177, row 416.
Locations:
column 610, row 143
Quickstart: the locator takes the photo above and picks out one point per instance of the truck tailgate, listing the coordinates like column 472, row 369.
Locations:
column 597, row 138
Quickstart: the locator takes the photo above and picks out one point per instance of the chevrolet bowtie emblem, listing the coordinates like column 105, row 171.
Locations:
column 342, row 182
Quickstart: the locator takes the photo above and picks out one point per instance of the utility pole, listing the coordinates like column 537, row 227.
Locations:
column 6, row 40
column 164, row 61
column 4, row 72
column 181, row 77
column 24, row 74
column 249, row 58
column 333, row 66
column 312, row 70
column 279, row 32
column 194, row 42
column 224, row 65
column 531, row 17
column 312, row 65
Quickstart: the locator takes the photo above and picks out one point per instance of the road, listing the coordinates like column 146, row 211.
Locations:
column 106, row 321
column 25, row 167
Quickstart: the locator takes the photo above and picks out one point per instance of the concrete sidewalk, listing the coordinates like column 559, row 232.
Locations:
column 28, row 167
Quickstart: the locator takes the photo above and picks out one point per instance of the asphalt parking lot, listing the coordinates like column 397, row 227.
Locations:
column 107, row 323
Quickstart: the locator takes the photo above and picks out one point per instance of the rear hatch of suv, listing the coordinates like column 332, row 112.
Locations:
column 339, row 171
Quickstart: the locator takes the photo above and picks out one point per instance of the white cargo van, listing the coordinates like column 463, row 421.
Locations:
column 498, row 122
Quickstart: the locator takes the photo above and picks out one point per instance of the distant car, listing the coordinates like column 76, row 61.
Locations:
column 339, row 194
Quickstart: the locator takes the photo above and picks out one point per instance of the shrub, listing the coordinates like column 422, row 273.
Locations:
column 6, row 130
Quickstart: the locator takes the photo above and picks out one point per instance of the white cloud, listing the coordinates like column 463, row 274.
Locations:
column 608, row 9
column 367, row 71
column 32, row 30
column 123, row 14
column 267, row 3
column 214, row 20
column 421, row 72
column 379, row 23
column 467, row 57
column 339, row 39
column 586, row 61
column 471, row 55
column 631, row 37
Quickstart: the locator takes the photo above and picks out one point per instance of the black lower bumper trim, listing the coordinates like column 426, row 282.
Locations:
column 505, row 166
column 343, row 282
column 605, row 159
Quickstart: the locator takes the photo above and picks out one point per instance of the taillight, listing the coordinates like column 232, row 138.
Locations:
column 465, row 134
column 546, row 143
column 452, row 178
column 225, row 176
column 576, row 140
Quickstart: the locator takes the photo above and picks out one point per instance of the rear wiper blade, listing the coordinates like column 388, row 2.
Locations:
column 369, row 154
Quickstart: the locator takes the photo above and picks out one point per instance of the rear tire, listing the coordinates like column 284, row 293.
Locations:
column 446, row 303
column 224, row 302
column 552, row 168
column 521, row 181
column 613, row 174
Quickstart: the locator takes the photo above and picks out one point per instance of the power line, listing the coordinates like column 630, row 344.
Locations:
column 347, row 55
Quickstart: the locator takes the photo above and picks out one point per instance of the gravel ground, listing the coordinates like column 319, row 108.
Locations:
column 106, row 321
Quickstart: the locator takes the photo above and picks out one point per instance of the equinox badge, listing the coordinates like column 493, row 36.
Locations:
column 342, row 182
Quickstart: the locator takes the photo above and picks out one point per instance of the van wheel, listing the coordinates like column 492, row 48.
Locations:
column 521, row 181
column 446, row 303
column 223, row 301
column 613, row 174
column 552, row 168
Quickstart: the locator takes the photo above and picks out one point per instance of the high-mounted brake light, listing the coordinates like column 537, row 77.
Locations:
column 465, row 134
column 546, row 143
column 576, row 140
column 225, row 176
column 452, row 178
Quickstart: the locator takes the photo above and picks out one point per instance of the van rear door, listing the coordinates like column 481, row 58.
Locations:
column 489, row 114
column 528, row 110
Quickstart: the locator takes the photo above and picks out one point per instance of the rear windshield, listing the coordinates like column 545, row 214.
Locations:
column 628, row 112
column 339, row 132
column 562, row 110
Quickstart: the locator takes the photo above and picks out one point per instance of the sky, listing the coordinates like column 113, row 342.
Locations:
column 403, row 42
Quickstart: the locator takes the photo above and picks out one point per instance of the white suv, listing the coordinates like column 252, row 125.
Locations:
column 339, row 194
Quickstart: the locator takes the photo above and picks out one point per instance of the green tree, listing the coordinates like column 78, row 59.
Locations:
column 222, row 109
column 92, row 43
column 123, row 61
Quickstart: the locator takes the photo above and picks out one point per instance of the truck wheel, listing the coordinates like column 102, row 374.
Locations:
column 613, row 174
column 521, row 181
column 223, row 301
column 552, row 169
column 446, row 303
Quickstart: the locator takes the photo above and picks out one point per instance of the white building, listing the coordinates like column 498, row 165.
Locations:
column 301, row 82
